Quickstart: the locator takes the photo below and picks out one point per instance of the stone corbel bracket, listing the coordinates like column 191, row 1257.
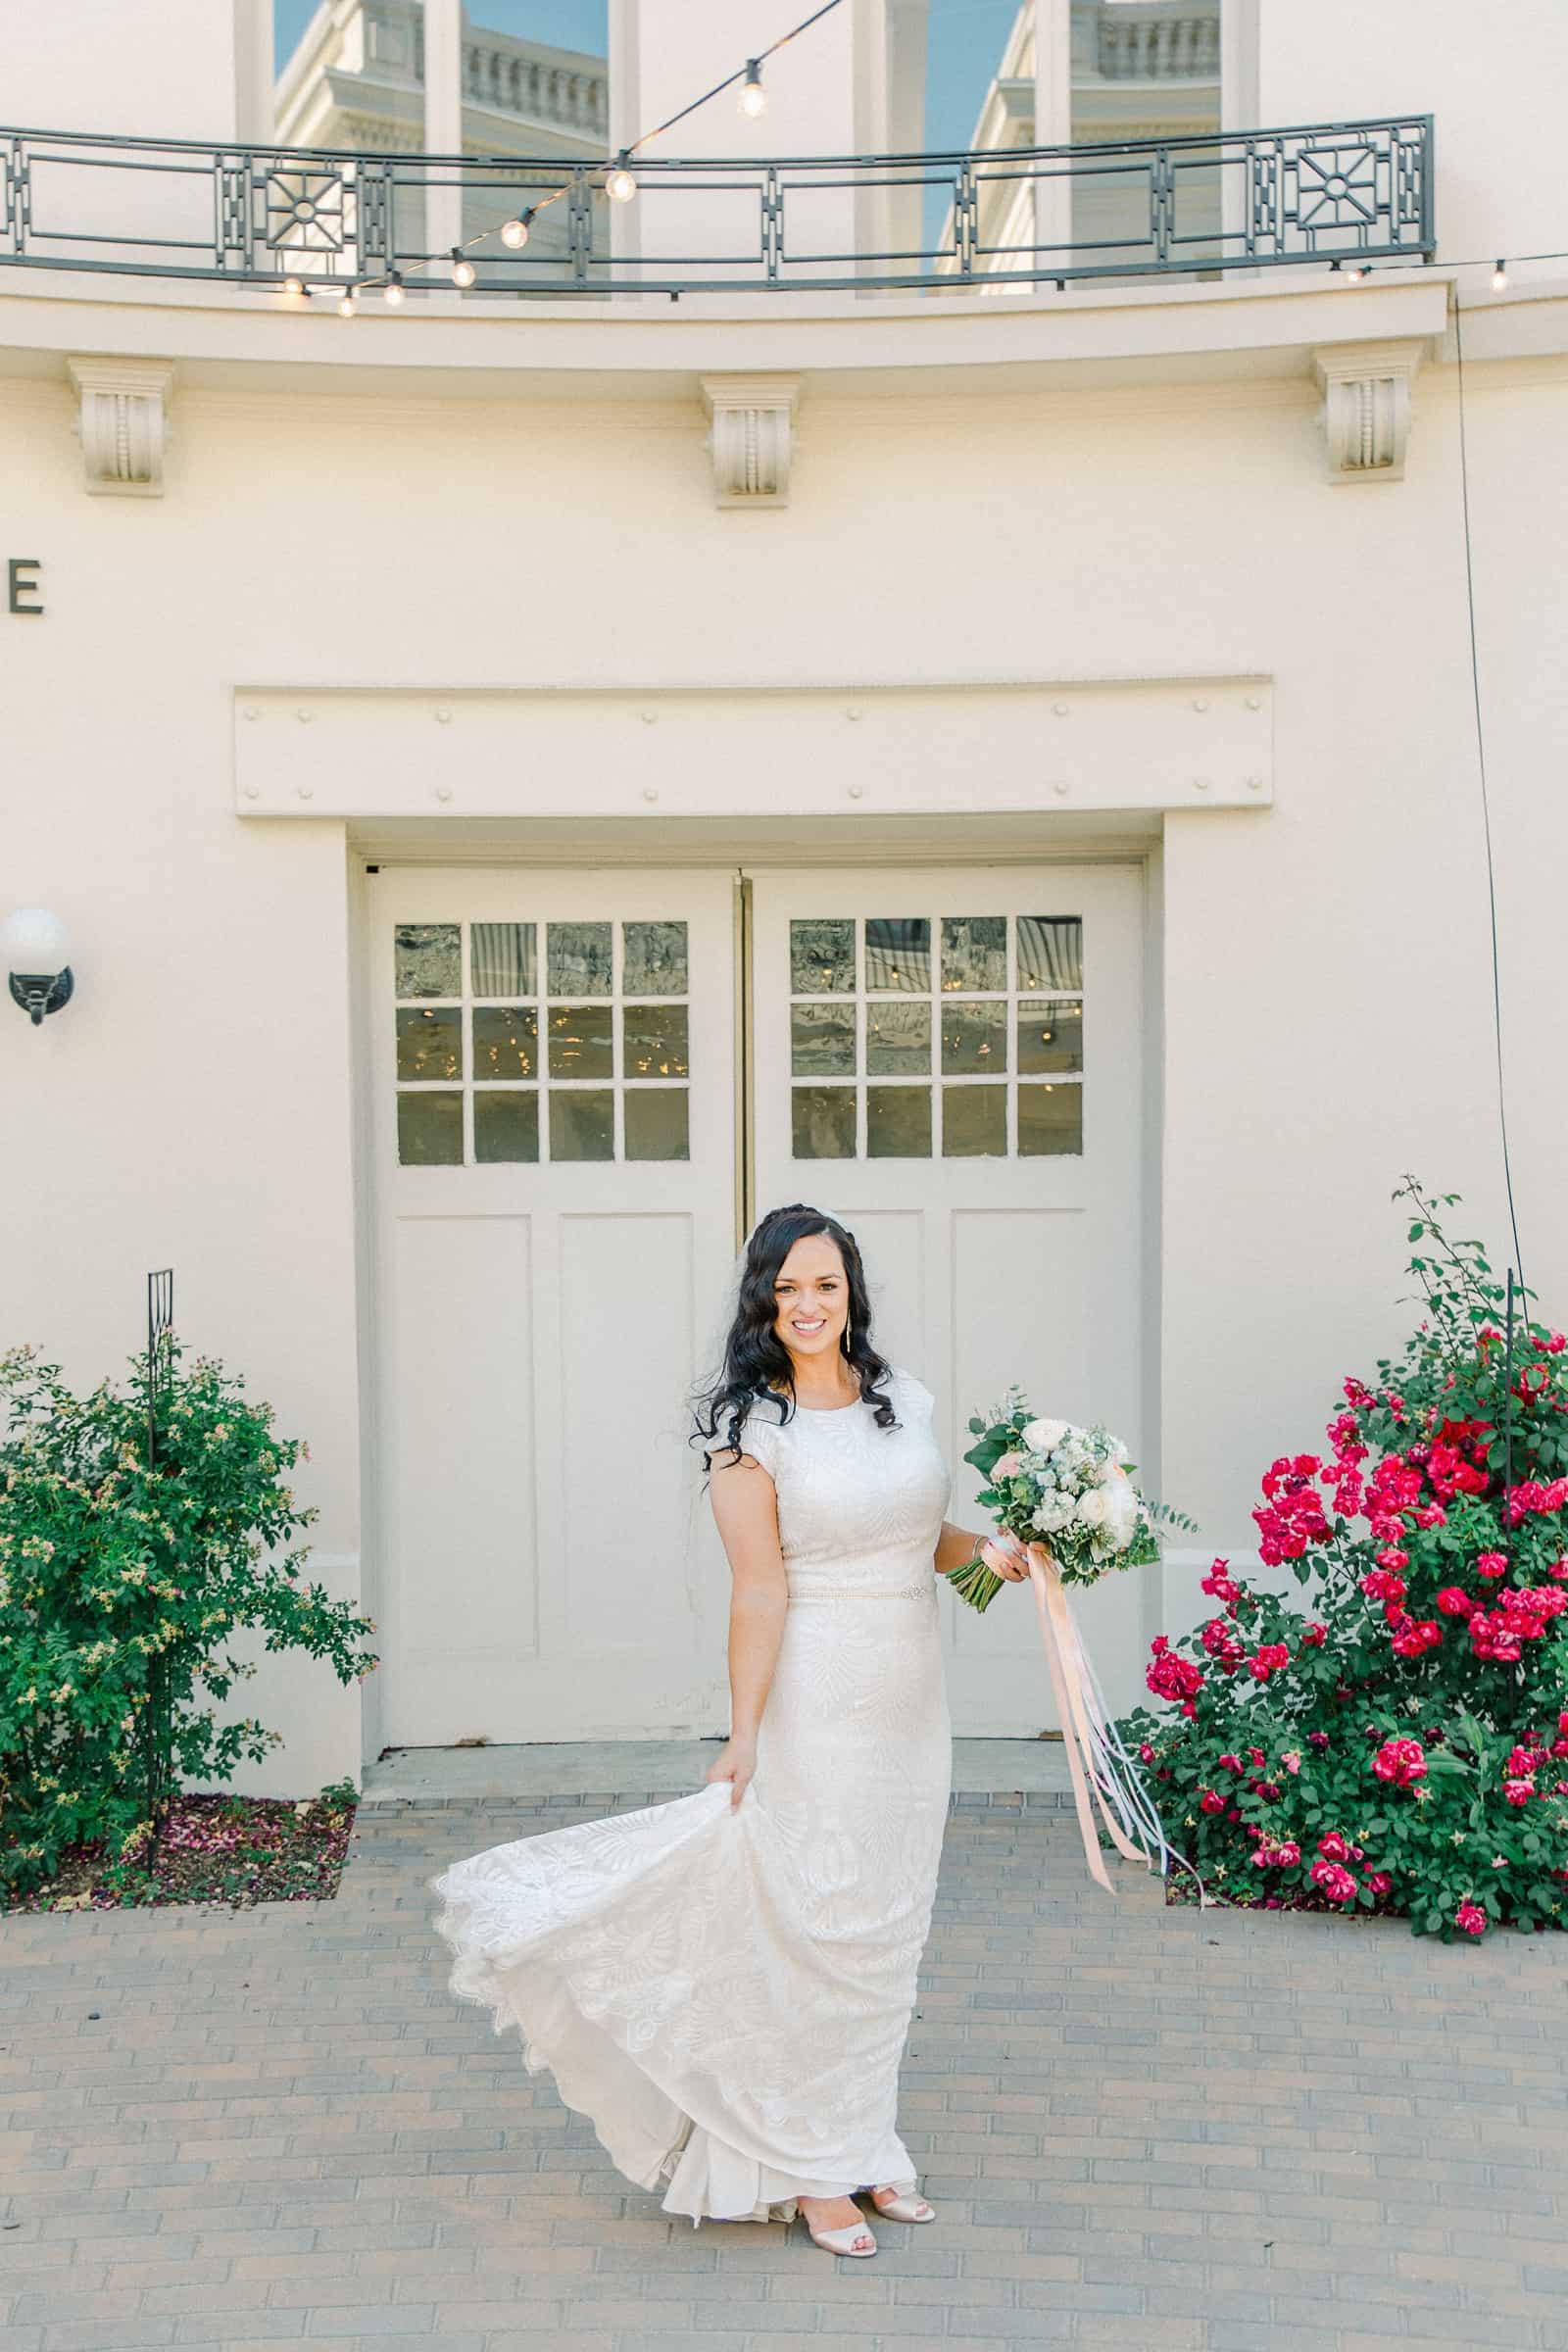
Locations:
column 123, row 423
column 752, row 437
column 1366, row 407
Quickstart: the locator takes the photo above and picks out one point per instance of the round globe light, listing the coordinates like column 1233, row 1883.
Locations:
column 464, row 271
column 619, row 185
column 35, row 942
column 514, row 233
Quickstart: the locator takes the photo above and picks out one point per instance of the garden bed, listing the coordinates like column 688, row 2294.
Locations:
column 215, row 1848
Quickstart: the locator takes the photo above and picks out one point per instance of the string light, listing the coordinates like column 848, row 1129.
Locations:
column 620, row 184
column 1357, row 271
column 1500, row 276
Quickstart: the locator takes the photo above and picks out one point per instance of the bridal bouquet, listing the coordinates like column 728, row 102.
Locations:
column 1052, row 1483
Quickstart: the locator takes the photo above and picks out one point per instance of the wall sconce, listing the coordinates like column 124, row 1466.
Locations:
column 35, row 946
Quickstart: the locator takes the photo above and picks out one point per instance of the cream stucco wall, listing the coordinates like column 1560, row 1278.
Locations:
column 984, row 500
column 1326, row 1014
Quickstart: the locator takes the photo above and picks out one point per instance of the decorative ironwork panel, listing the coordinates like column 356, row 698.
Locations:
column 305, row 209
column 231, row 194
column 1309, row 194
column 15, row 190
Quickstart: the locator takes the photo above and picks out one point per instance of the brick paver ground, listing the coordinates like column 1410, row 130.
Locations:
column 1202, row 2133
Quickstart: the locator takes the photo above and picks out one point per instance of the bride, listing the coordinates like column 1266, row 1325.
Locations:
column 723, row 1984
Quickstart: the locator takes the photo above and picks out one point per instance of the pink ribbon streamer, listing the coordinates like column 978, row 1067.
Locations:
column 1083, row 1727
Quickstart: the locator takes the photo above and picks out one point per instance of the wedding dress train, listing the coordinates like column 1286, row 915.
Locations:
column 726, row 1990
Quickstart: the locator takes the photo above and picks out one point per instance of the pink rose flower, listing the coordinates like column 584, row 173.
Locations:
column 1471, row 1918
column 1401, row 1761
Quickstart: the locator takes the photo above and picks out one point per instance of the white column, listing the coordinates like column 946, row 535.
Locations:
column 1054, row 125
column 443, row 117
column 684, row 46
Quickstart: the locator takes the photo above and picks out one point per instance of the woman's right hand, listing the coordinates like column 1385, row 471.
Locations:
column 736, row 1762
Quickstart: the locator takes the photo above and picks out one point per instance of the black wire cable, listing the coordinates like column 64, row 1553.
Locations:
column 731, row 79
column 1486, row 801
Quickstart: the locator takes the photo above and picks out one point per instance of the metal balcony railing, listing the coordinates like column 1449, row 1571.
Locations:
column 1324, row 193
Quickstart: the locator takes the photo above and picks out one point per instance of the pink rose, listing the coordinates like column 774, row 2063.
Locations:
column 1471, row 1918
column 1401, row 1761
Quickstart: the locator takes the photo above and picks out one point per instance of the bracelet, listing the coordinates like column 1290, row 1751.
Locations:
column 973, row 1562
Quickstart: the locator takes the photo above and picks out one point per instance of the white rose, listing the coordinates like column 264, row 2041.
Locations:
column 1044, row 1436
column 1120, row 1498
column 1091, row 1510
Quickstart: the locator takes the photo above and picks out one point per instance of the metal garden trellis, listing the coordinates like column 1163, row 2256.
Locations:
column 153, row 1732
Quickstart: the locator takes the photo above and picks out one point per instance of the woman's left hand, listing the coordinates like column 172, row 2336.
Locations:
column 1004, row 1556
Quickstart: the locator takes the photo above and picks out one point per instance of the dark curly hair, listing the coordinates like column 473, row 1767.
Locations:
column 757, row 1364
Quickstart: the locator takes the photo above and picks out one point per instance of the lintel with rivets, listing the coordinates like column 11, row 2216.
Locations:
column 708, row 750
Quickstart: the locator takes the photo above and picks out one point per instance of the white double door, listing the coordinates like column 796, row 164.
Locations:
column 577, row 1077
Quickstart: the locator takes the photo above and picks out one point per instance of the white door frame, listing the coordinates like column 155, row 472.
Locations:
column 953, row 841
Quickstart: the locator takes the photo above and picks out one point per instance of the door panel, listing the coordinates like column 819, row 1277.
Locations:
column 553, row 1139
column 952, row 1063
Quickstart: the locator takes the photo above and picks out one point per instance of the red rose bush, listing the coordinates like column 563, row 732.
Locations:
column 1398, row 1742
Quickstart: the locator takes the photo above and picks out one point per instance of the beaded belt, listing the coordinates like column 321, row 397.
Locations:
column 868, row 1593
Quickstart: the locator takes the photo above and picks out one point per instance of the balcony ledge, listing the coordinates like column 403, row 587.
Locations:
column 239, row 338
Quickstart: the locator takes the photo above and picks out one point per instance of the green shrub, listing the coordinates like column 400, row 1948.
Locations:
column 1398, row 1742
column 123, row 1586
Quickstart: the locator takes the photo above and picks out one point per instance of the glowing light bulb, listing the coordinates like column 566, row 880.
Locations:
column 293, row 285
column 464, row 271
column 348, row 306
column 754, row 98
column 1360, row 270
column 392, row 291
column 1499, row 278
column 619, row 185
column 514, row 232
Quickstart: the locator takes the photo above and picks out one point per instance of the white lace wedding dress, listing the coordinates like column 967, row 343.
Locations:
column 726, row 1992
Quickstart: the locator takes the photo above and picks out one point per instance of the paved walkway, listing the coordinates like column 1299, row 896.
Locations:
column 666, row 1767
column 1203, row 2132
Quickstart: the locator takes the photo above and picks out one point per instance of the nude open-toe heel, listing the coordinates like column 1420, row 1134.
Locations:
column 901, row 2207
column 842, row 2241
